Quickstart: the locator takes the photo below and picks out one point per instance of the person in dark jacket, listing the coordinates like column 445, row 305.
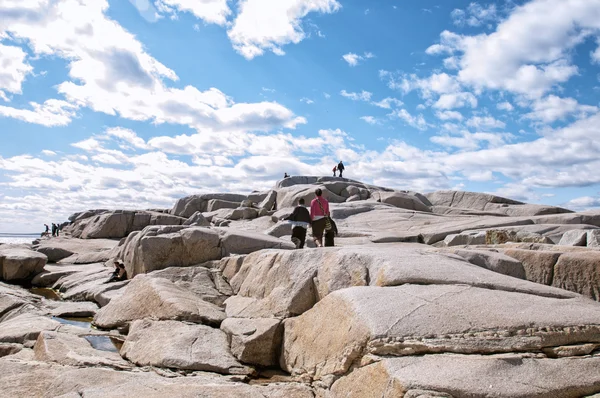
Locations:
column 341, row 168
column 53, row 230
column 300, row 219
column 119, row 274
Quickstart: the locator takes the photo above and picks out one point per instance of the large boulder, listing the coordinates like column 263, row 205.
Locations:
column 218, row 204
column 242, row 242
column 447, row 376
column 574, row 237
column 254, row 341
column 428, row 319
column 187, row 206
column 171, row 344
column 465, row 238
column 289, row 197
column 403, row 200
column 538, row 264
column 54, row 254
column 157, row 248
column 197, row 220
column 19, row 263
column 160, row 299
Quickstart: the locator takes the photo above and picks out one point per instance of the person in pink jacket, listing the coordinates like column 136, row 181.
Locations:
column 319, row 210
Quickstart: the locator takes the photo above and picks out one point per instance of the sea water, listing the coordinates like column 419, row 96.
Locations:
column 17, row 238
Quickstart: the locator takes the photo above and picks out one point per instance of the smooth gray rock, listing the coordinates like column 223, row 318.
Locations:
column 54, row 254
column 218, row 204
column 208, row 284
column 493, row 261
column 160, row 299
column 505, row 376
column 171, row 344
column 465, row 238
column 579, row 272
column 403, row 200
column 242, row 242
column 197, row 220
column 20, row 264
column 593, row 238
column 187, row 206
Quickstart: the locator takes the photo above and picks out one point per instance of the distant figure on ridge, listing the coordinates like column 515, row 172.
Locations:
column 285, row 175
column 57, row 229
column 319, row 214
column 53, row 230
column 340, row 168
column 119, row 274
column 334, row 170
column 46, row 232
column 300, row 220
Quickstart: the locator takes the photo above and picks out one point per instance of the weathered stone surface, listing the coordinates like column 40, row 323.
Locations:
column 287, row 283
column 280, row 229
column 268, row 201
column 25, row 327
column 242, row 213
column 86, row 283
column 242, row 242
column 68, row 349
column 574, row 237
column 493, row 261
column 160, row 299
column 289, row 197
column 187, row 206
column 593, row 238
column 203, row 282
column 9, row 349
column 83, row 309
column 422, row 319
column 171, row 344
column 254, row 341
column 465, row 238
column 506, row 376
column 197, row 220
column 570, row 350
column 157, row 248
column 403, row 200
column 538, row 265
column 579, row 272
column 218, row 204
column 54, row 254
column 20, row 264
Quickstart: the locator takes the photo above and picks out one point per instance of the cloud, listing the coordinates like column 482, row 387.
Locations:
column 417, row 122
column 553, row 108
column 530, row 51
column 449, row 115
column 370, row 119
column 264, row 25
column 354, row 59
column 13, row 69
column 388, row 102
column 307, row 101
column 362, row 96
column 456, row 100
column 471, row 141
column 436, row 84
column 485, row 122
column 505, row 106
column 112, row 73
column 475, row 15
column 48, row 152
column 210, row 11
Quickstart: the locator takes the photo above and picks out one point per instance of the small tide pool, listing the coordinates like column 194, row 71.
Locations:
column 102, row 343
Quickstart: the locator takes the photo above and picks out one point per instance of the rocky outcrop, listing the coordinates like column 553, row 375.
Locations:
column 119, row 223
column 403, row 200
column 20, row 264
column 197, row 220
column 493, row 261
column 579, row 272
column 254, row 341
column 186, row 207
column 171, row 344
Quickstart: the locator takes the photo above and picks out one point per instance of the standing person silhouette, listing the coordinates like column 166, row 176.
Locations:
column 341, row 168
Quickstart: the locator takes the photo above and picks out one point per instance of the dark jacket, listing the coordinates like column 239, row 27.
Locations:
column 300, row 213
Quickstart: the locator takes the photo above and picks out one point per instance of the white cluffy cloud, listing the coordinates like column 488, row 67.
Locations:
column 474, row 15
column 362, row 96
column 354, row 59
column 210, row 11
column 530, row 51
column 265, row 25
column 112, row 73
column 553, row 108
column 13, row 69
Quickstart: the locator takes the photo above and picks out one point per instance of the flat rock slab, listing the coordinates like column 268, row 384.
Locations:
column 84, row 309
column 281, row 284
column 205, row 283
column 493, row 261
column 25, row 327
column 507, row 376
column 68, row 349
column 254, row 341
column 21, row 378
column 422, row 319
column 157, row 298
column 172, row 344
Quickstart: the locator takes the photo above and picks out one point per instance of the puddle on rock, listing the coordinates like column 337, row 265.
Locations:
column 46, row 292
column 101, row 343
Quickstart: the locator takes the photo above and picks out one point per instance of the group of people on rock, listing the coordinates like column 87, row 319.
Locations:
column 337, row 168
column 318, row 219
column 119, row 274
column 56, row 228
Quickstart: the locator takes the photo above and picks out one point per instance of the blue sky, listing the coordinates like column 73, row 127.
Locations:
column 133, row 104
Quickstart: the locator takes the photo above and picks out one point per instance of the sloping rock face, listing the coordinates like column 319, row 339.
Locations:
column 404, row 201
column 118, row 224
column 160, row 299
column 349, row 323
column 186, row 207
column 20, row 264
column 490, row 203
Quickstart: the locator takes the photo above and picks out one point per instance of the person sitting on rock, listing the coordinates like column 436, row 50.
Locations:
column 300, row 219
column 285, row 175
column 319, row 213
column 119, row 274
